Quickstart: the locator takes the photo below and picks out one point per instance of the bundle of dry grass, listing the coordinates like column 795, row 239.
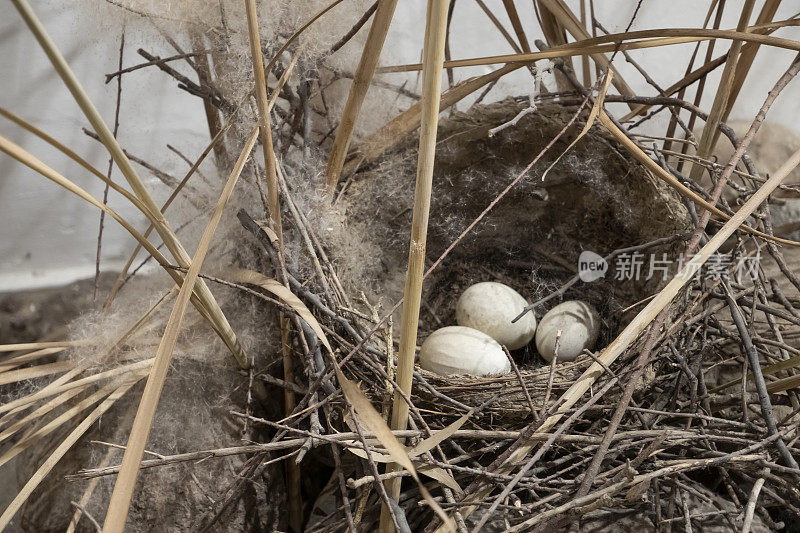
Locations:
column 265, row 378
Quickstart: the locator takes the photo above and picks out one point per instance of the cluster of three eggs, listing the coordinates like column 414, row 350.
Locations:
column 485, row 314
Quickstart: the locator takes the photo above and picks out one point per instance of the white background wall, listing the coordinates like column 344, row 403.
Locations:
column 48, row 236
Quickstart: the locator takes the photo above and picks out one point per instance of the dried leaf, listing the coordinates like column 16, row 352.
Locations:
column 286, row 296
column 374, row 422
column 438, row 437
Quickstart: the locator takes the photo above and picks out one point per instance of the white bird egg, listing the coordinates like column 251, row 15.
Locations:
column 460, row 350
column 579, row 324
column 490, row 307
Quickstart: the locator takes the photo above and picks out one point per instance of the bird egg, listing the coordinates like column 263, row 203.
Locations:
column 461, row 350
column 579, row 324
column 490, row 307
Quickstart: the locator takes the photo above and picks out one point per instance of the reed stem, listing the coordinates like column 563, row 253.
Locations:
column 433, row 59
column 358, row 90
column 707, row 140
column 273, row 205
column 263, row 119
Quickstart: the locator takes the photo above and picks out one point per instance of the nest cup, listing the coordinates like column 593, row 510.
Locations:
column 595, row 199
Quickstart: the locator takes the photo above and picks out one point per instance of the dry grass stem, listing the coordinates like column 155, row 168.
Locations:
column 435, row 33
column 358, row 90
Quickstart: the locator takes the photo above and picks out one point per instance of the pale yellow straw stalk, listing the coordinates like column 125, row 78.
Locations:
column 433, row 59
column 358, row 90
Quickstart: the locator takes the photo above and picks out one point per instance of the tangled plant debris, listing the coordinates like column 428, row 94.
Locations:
column 268, row 406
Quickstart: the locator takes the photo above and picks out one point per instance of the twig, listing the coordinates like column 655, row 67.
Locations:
column 121, row 70
column 522, row 382
column 355, row 29
column 751, row 503
column 108, row 173
column 687, row 517
column 553, row 363
column 85, row 513
column 758, row 377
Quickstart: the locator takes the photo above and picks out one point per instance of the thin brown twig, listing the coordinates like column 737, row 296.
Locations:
column 522, row 384
column 553, row 363
column 108, row 173
column 126, row 70
column 758, row 377
column 84, row 512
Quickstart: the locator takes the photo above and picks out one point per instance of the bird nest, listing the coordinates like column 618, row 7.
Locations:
column 594, row 199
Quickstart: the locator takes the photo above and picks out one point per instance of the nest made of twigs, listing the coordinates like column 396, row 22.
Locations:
column 595, row 198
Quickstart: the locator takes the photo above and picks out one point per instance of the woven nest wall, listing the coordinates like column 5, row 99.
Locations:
column 595, row 198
